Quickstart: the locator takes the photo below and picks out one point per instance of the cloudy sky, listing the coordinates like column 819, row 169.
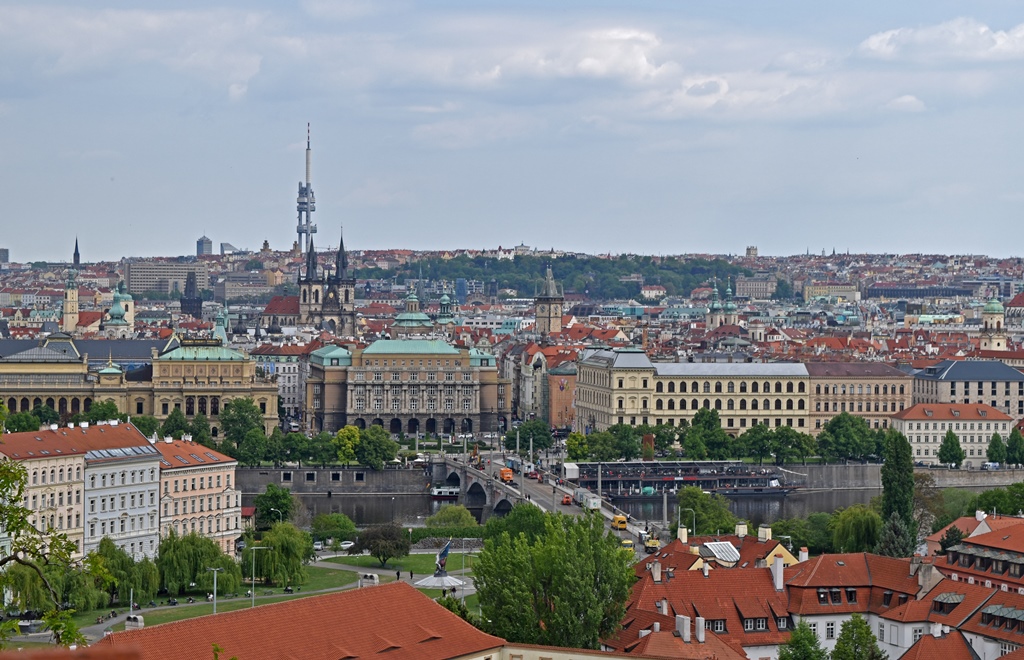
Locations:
column 655, row 127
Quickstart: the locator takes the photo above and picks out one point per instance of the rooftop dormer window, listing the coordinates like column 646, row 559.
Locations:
column 837, row 597
column 822, row 597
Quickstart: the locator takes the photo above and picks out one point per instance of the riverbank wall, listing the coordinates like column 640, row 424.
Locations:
column 333, row 481
column 857, row 476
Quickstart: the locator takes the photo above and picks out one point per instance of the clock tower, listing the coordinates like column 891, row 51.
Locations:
column 549, row 302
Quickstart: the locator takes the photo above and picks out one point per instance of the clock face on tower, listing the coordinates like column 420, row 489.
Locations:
column 331, row 295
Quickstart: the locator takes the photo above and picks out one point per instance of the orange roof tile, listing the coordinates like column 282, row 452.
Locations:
column 65, row 441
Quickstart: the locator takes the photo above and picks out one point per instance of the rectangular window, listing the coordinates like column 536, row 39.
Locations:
column 830, row 630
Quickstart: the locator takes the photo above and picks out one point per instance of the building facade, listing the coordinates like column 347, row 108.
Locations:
column 549, row 304
column 972, row 381
column 198, row 493
column 623, row 386
column 870, row 390
column 409, row 386
column 925, row 425
column 164, row 276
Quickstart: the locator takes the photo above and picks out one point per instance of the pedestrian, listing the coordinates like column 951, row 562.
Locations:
column 410, row 575
column 398, row 575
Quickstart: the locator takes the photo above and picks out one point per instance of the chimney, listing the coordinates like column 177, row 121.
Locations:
column 803, row 554
column 168, row 439
column 663, row 606
column 936, row 630
column 704, row 568
column 915, row 564
column 980, row 515
column 656, row 572
column 656, row 626
column 681, row 534
column 764, row 533
column 71, row 425
column 777, row 573
column 683, row 627
column 84, row 425
column 53, row 427
column 113, row 422
column 699, row 625
column 741, row 529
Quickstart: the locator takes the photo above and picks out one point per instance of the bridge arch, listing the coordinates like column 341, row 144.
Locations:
column 503, row 507
column 476, row 496
column 454, row 479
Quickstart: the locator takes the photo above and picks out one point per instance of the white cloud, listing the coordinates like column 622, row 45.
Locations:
column 906, row 103
column 958, row 39
column 475, row 131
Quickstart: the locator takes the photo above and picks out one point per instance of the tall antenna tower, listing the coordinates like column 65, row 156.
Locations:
column 306, row 202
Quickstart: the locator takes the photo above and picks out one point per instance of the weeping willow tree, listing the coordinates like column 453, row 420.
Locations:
column 290, row 549
column 34, row 564
column 183, row 561
column 126, row 576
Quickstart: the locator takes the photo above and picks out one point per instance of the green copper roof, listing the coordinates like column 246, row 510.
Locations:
column 203, row 354
column 410, row 346
column 324, row 356
column 993, row 307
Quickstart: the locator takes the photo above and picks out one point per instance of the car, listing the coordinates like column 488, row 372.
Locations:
column 566, row 499
column 514, row 484
column 628, row 544
column 345, row 545
column 318, row 546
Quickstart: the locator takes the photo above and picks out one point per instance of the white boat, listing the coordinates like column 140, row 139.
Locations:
column 444, row 493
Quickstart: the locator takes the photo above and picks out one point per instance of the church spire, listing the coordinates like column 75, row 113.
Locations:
column 77, row 257
column 341, row 260
column 311, row 262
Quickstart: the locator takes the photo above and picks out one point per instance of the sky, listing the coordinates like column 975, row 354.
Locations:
column 601, row 127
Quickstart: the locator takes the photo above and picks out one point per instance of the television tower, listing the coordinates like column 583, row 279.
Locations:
column 306, row 203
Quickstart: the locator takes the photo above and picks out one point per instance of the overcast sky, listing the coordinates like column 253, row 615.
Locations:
column 654, row 127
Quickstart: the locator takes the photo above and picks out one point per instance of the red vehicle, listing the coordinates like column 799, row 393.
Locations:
column 531, row 475
column 566, row 500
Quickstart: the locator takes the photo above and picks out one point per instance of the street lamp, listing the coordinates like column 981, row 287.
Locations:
column 280, row 516
column 679, row 512
column 215, row 571
column 254, row 549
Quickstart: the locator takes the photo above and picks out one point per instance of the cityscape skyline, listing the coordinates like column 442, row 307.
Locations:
column 595, row 129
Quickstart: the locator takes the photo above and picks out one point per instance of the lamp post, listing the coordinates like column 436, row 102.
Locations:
column 280, row 516
column 679, row 512
column 215, row 571
column 254, row 549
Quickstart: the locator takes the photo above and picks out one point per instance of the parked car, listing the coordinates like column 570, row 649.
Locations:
column 345, row 545
column 318, row 546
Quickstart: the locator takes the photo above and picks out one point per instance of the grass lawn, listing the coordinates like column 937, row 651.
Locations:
column 180, row 612
column 419, row 564
column 325, row 578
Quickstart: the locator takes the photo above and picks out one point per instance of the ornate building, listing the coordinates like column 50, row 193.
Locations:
column 407, row 386
column 993, row 327
column 191, row 301
column 549, row 303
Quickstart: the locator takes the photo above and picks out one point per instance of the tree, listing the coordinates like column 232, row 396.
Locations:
column 996, row 450
column 898, row 479
column 238, row 417
column 40, row 555
column 375, row 448
column 895, row 539
column 950, row 452
column 290, row 550
column 602, row 446
column 524, row 518
column 956, row 503
column 21, row 422
column 856, row 529
column 856, row 641
column 537, row 429
column 384, row 542
column 345, row 442
column 802, row 645
column 567, row 588
column 102, row 411
column 274, row 497
column 183, row 560
column 952, row 537
column 576, row 446
column 1015, row 448
column 712, row 511
column 451, row 515
column 253, row 447
column 758, row 442
column 147, row 424
column 627, row 441
column 846, row 436
column 46, row 415
column 275, row 447
column 335, row 526
column 175, row 425
column 693, row 444
column 200, row 430
column 322, row 450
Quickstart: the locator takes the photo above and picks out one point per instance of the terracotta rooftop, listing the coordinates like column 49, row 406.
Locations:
column 64, row 441
column 953, row 411
column 392, row 620
column 181, row 454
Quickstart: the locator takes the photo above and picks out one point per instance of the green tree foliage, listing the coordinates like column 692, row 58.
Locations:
column 322, row 450
column 955, row 503
column 950, row 451
column 813, row 532
column 717, row 442
column 802, row 645
column 200, row 430
column 694, row 446
column 996, row 449
column 237, row 418
column 127, row 576
column 275, row 447
column 21, row 422
column 175, row 425
column 101, row 411
column 577, row 446
column 713, row 514
column 295, row 447
column 856, row 529
column 1015, row 448
column 856, row 641
column 183, row 560
column 458, row 608
column 253, row 447
column 274, row 497
column 388, row 541
column 451, row 515
column 291, row 549
column 567, row 588
column 147, row 424
column 758, row 442
column 46, row 415
column 627, row 441
column 783, row 290
column 845, row 437
column 335, row 526
column 952, row 537
column 1007, row 501
column 525, row 519
column 895, row 539
column 898, row 479
column 603, row 446
column 538, row 429
column 345, row 442
column 375, row 448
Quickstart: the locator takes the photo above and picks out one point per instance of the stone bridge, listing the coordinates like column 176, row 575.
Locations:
column 478, row 491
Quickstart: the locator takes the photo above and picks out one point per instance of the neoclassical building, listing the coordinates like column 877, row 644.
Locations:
column 196, row 376
column 407, row 386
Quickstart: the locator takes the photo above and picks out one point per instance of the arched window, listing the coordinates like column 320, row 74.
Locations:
column 753, row 404
column 730, row 404
column 718, row 387
column 671, row 404
column 743, row 387
column 789, row 404
column 778, row 387
column 885, row 389
column 657, row 404
column 707, row 387
column 53, row 473
column 789, row 387
column 671, row 387
column 304, row 299
column 682, row 387
column 718, row 404
column 730, row 387
column 817, row 389
column 35, row 477
column 694, row 388
column 800, row 388
column 694, row 405
column 901, row 389
column 60, row 474
column 658, row 388
column 707, row 403
column 78, row 473
column 800, row 404
column 316, row 297
column 753, row 387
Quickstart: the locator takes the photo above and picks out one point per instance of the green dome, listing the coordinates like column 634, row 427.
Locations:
column 993, row 307
column 445, row 299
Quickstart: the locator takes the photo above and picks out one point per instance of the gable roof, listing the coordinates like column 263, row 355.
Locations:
column 393, row 620
column 64, row 441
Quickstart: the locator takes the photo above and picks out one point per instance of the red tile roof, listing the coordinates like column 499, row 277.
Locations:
column 282, row 306
column 948, row 647
column 392, row 620
column 69, row 441
column 179, row 454
column 953, row 411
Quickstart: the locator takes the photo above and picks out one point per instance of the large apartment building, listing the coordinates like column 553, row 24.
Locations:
column 407, row 386
column 871, row 390
column 925, row 425
column 972, row 381
column 164, row 276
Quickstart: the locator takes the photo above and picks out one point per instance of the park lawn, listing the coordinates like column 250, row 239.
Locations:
column 181, row 612
column 327, row 578
column 419, row 564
